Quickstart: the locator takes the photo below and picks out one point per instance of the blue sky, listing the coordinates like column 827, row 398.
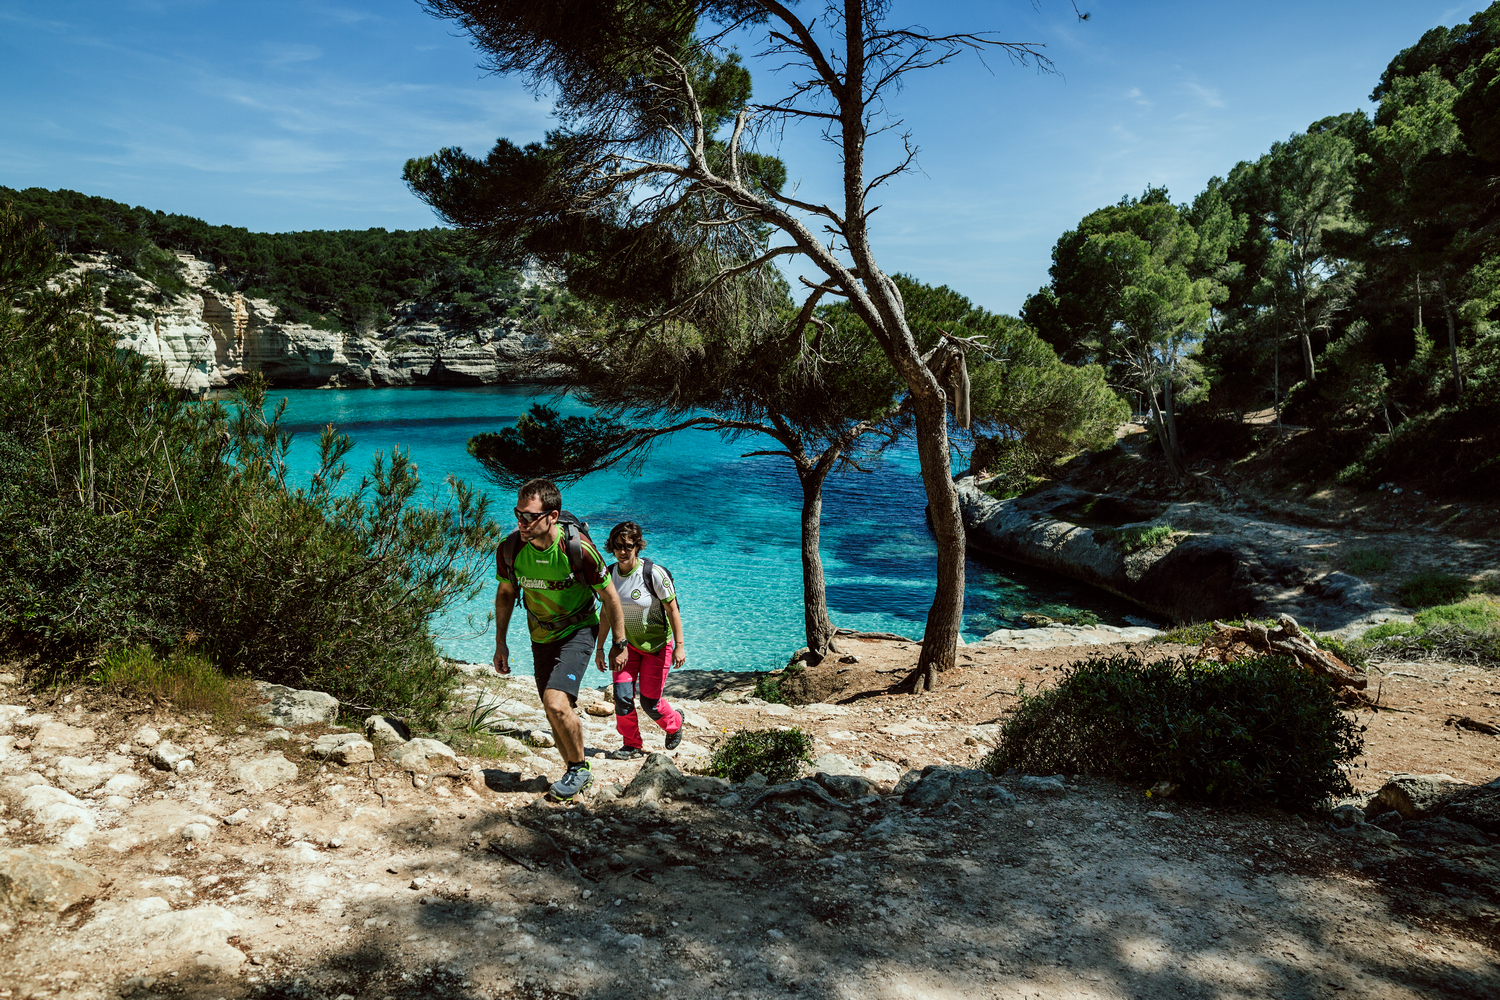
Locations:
column 281, row 116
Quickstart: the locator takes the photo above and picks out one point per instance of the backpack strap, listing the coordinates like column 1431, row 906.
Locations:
column 505, row 560
column 646, row 567
column 573, row 545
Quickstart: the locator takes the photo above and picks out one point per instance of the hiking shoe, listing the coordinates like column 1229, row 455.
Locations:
column 574, row 780
column 674, row 740
column 626, row 753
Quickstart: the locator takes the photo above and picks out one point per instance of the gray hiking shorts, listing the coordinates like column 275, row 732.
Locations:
column 561, row 665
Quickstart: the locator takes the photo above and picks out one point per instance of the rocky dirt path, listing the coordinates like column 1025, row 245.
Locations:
column 436, row 877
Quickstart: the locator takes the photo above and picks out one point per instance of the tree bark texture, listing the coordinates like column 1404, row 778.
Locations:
column 819, row 626
column 1458, row 379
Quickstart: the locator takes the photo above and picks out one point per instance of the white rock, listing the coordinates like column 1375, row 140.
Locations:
column 423, row 756
column 166, row 756
column 696, row 721
column 8, row 716
column 197, row 833
column 380, row 729
column 62, row 817
column 275, row 736
column 290, row 707
column 264, row 773
column 777, row 710
column 124, row 784
column 237, row 817
column 342, row 748
column 145, row 736
column 60, row 735
column 31, row 723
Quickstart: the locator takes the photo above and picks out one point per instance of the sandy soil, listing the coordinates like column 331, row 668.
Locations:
column 458, row 891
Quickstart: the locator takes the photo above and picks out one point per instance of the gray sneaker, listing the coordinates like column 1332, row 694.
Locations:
column 574, row 780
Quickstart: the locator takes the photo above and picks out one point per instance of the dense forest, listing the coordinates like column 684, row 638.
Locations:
column 350, row 280
column 1346, row 281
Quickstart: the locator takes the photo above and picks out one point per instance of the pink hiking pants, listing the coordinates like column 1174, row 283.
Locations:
column 644, row 674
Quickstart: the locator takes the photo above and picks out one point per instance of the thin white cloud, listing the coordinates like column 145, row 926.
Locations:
column 1208, row 95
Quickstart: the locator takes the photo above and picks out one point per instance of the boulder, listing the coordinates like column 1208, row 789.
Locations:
column 290, row 707
column 342, row 748
column 659, row 778
column 168, row 756
column 423, row 756
column 845, row 786
column 145, row 736
column 1414, row 796
column 200, row 932
column 385, row 729
column 930, row 791
column 49, row 885
column 1477, row 806
column 1041, row 786
column 264, row 773
column 1442, row 830
column 834, row 763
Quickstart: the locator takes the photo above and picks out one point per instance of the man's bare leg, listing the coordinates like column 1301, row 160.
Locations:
column 565, row 725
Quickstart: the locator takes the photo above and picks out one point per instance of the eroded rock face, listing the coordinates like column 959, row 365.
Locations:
column 208, row 339
column 1211, row 570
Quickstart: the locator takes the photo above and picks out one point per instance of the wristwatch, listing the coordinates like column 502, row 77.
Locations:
column 616, row 647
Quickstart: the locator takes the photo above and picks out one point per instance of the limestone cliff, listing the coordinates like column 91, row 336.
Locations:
column 208, row 339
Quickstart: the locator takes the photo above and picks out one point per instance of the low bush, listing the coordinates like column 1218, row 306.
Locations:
column 1368, row 561
column 188, row 680
column 134, row 518
column 775, row 753
column 1467, row 630
column 1430, row 587
column 1130, row 540
column 1259, row 729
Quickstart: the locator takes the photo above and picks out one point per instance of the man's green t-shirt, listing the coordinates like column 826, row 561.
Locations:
column 558, row 603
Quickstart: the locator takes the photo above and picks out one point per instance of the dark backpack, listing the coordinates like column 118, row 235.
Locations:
column 646, row 566
column 574, row 533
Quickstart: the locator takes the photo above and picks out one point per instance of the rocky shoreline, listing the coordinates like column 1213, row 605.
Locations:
column 1204, row 564
column 208, row 339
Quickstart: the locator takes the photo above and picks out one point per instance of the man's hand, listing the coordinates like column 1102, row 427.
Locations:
column 621, row 658
column 679, row 655
column 600, row 660
column 502, row 658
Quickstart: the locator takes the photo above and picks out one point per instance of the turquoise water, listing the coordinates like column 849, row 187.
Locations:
column 727, row 527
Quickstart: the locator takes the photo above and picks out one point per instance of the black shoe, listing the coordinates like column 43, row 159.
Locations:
column 626, row 753
column 674, row 740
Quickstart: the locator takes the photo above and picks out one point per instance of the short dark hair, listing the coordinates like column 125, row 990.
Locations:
column 544, row 490
column 626, row 533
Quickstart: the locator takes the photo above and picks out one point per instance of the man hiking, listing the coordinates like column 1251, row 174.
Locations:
column 557, row 569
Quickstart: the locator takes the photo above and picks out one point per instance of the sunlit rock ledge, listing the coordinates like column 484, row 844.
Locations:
column 1209, row 568
column 208, row 339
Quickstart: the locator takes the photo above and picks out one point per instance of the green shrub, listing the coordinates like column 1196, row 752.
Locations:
column 1130, row 540
column 775, row 753
column 1467, row 630
column 1352, row 653
column 768, row 688
column 134, row 518
column 1431, row 587
column 1368, row 561
column 186, row 679
column 1255, row 730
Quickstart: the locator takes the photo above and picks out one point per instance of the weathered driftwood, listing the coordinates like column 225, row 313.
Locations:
column 1230, row 643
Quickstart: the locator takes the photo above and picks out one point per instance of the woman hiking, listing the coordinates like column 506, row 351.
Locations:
column 653, row 641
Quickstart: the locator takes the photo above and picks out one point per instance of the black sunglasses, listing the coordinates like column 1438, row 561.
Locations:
column 527, row 517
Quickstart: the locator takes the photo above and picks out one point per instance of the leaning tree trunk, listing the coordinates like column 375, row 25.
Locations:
column 1164, row 436
column 820, row 630
column 945, row 618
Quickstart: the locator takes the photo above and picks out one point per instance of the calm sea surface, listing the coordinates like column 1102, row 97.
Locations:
column 727, row 527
